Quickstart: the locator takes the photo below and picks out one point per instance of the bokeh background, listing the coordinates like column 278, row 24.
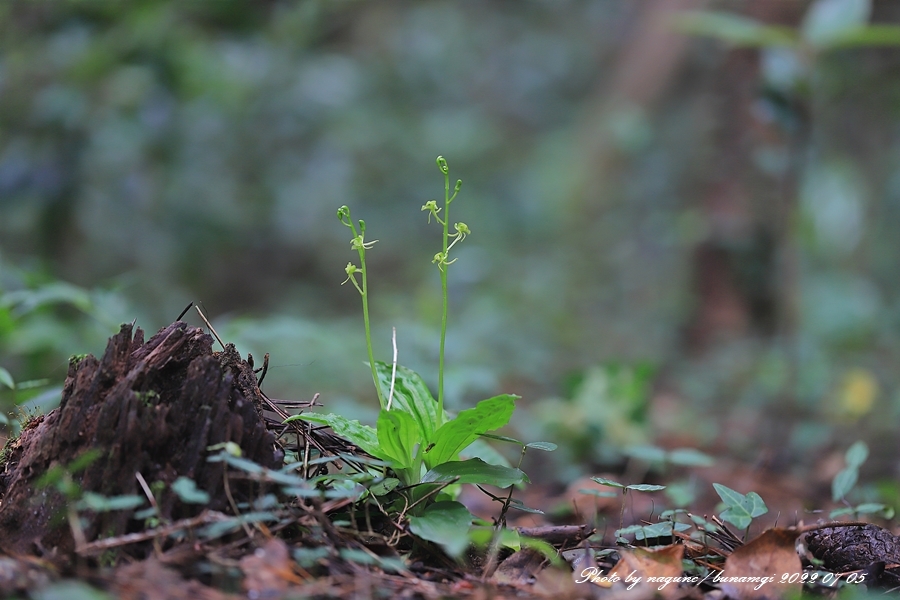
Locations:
column 684, row 228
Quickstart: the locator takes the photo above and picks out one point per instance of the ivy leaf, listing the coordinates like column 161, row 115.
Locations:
column 741, row 509
column 857, row 454
column 545, row 446
column 188, row 491
column 645, row 487
column 455, row 435
column 843, row 482
column 609, row 482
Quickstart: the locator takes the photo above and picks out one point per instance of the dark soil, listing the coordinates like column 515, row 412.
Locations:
column 149, row 413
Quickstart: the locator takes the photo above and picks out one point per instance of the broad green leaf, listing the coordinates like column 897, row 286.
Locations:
column 361, row 557
column 741, row 509
column 645, row 487
column 411, row 395
column 188, row 491
column 446, row 524
column 384, row 487
column 26, row 301
column 398, row 436
column 226, row 526
column 857, row 454
column 843, row 482
column 519, row 505
column 69, row 589
column 481, row 449
column 314, row 492
column 690, row 457
column 827, row 21
column 475, row 471
column 284, row 478
column 549, row 552
column 502, row 438
column 362, row 435
column 455, row 435
column 100, row 503
column 7, row 379
column 84, row 460
column 872, row 35
column 734, row 29
column 609, row 482
column 545, row 446
column 310, row 557
column 245, row 465
column 481, row 536
column 648, row 454
column 661, row 529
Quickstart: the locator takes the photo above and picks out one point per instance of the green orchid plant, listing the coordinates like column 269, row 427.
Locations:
column 414, row 435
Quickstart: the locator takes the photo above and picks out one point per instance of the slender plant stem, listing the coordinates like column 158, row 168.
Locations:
column 365, row 303
column 443, row 270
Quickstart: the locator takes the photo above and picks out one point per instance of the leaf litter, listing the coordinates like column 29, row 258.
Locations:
column 321, row 526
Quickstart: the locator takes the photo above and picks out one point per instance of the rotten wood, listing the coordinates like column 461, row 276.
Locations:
column 151, row 408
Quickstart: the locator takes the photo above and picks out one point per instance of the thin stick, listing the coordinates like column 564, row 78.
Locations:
column 133, row 538
column 265, row 369
column 186, row 308
column 234, row 507
column 208, row 324
column 393, row 368
column 147, row 492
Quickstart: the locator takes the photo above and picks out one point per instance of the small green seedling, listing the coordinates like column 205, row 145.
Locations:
column 636, row 487
column 846, row 480
column 740, row 509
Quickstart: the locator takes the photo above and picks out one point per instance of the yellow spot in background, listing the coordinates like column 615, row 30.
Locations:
column 857, row 392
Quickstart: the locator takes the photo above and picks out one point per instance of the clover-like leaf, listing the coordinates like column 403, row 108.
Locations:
column 740, row 509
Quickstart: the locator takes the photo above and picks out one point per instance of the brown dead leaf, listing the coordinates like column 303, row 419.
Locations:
column 269, row 570
column 150, row 580
column 519, row 568
column 755, row 570
column 654, row 570
column 661, row 562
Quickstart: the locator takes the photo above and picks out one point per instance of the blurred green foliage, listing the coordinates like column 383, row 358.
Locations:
column 156, row 152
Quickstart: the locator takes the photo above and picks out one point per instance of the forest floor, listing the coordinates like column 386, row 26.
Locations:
column 162, row 475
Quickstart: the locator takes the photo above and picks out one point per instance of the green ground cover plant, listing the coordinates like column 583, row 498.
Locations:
column 426, row 449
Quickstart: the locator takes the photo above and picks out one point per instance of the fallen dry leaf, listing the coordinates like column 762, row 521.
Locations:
column 759, row 569
column 269, row 570
column 655, row 571
column 519, row 568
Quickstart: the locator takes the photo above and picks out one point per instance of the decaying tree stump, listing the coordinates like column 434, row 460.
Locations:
column 151, row 408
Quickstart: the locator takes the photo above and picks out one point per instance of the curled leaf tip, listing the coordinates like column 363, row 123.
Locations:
column 442, row 165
